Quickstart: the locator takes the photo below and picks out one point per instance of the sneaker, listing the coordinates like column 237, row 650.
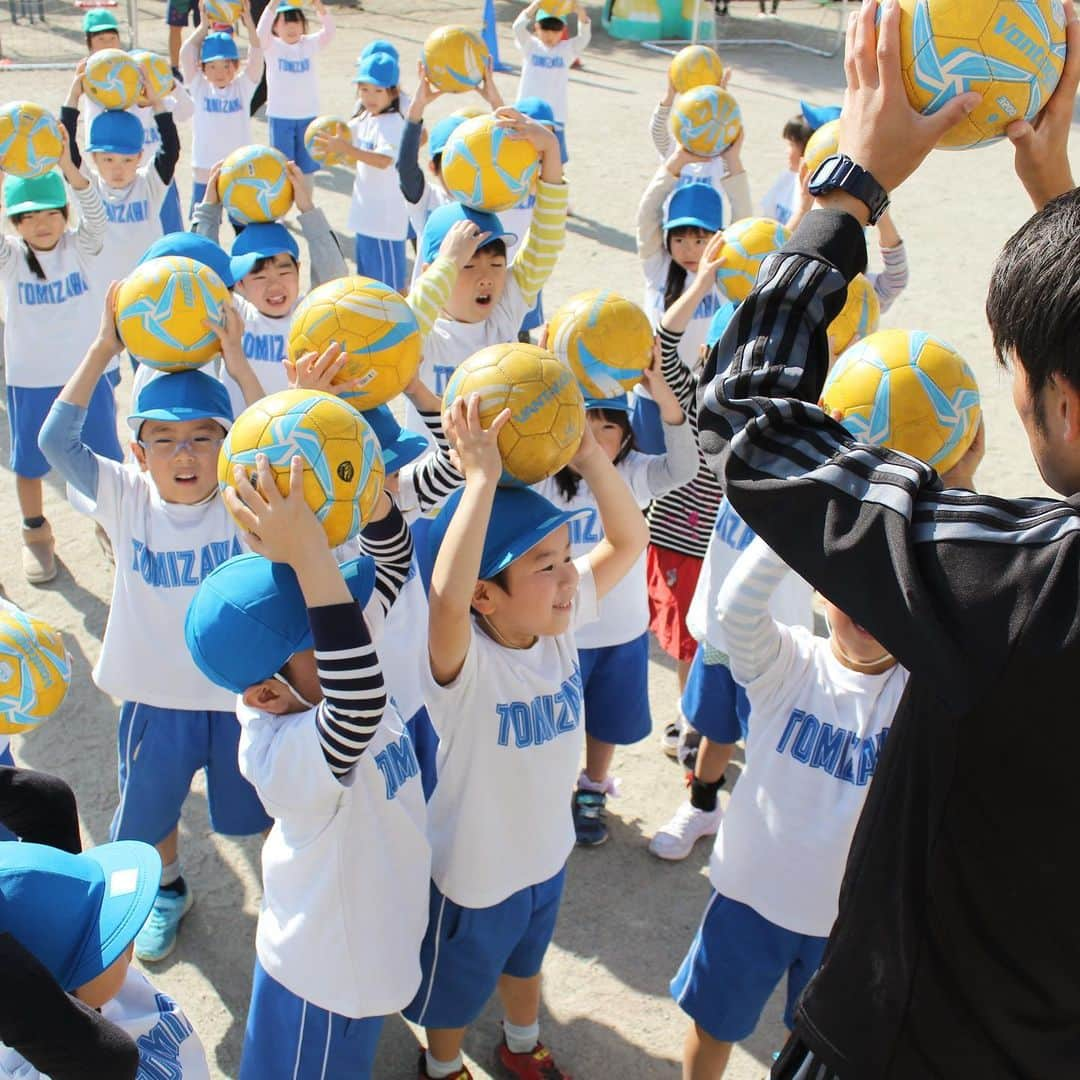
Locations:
column 538, row 1064
column 669, row 739
column 39, row 554
column 422, row 1073
column 589, row 813
column 157, row 938
column 677, row 838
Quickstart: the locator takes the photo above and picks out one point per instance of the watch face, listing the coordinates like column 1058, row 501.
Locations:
column 821, row 176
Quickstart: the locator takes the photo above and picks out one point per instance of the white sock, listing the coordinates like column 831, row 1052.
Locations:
column 521, row 1040
column 438, row 1070
column 170, row 873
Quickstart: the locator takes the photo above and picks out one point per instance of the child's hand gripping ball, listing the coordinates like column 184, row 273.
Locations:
column 158, row 70
column 317, row 135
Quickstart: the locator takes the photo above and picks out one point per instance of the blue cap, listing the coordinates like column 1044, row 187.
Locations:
column 539, row 110
column 377, row 46
column 722, row 316
column 818, row 115
column 219, row 46
column 249, row 616
column 442, row 218
column 77, row 913
column 115, row 132
column 695, row 203
column 182, row 395
column 618, row 403
column 260, row 241
column 398, row 446
column 520, row 519
column 192, row 246
column 440, row 134
column 377, row 69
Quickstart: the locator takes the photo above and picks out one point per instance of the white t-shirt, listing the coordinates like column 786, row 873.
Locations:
column 134, row 222
column 817, row 730
column 403, row 652
column 222, row 122
column 378, row 209
column 782, row 199
column 163, row 552
column 266, row 338
column 511, row 733
column 168, row 1045
column 697, row 330
column 346, row 865
column 292, row 81
column 178, row 103
column 791, row 604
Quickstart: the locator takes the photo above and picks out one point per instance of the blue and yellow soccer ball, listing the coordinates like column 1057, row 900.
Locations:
column 1009, row 51
column 30, row 140
column 696, row 65
column 747, row 243
column 908, row 391
column 547, row 411
column 858, row 318
column 821, row 145
column 375, row 327
column 161, row 310
column 706, row 120
column 455, row 59
column 485, row 167
column 112, row 79
column 161, row 74
column 35, row 670
column 254, row 185
column 604, row 339
column 223, row 12
column 331, row 126
column 343, row 466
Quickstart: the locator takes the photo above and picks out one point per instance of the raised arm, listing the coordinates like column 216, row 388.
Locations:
column 411, row 179
column 650, row 215
column 265, row 28
column 169, row 153
column 522, row 38
column 893, row 279
column 659, row 129
column 678, row 465
column 386, row 538
column 325, row 34
column 736, row 182
column 191, row 50
column 430, row 292
column 327, row 263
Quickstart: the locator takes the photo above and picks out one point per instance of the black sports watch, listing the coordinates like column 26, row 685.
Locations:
column 840, row 173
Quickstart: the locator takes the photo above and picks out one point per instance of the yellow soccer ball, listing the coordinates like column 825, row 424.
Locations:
column 705, row 120
column 161, row 308
column 547, row 411
column 1009, row 51
column 823, row 144
column 254, row 186
column 224, row 12
column 604, row 339
column 161, row 74
column 35, row 670
column 909, row 391
column 112, row 79
column 343, row 466
column 455, row 59
column 30, row 140
column 746, row 244
column 373, row 324
column 858, row 318
column 696, row 65
column 331, row 126
column 557, row 9
column 486, row 168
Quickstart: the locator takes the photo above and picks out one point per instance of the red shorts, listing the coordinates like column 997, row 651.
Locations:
column 672, row 579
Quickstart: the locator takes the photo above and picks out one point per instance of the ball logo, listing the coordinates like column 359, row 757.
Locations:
column 346, row 471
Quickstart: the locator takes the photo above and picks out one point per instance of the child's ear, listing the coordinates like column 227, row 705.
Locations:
column 267, row 696
column 482, row 600
column 139, row 454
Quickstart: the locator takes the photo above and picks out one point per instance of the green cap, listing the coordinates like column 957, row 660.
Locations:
column 99, row 20
column 22, row 196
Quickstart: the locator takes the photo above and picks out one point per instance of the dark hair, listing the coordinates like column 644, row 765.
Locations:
column 28, row 251
column 798, row 130
column 293, row 15
column 568, row 481
column 676, row 275
column 262, row 263
column 1033, row 305
column 436, row 161
column 551, row 23
column 105, row 30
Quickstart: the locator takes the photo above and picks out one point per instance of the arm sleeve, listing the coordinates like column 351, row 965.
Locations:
column 893, row 279
column 189, row 59
column 410, row 175
column 169, row 153
column 580, row 41
column 39, row 809
column 265, row 28
column 180, row 104
column 650, row 219
column 661, row 132
column 327, row 261
column 90, row 232
column 69, row 117
column 522, row 38
column 255, row 63
column 678, row 465
column 325, row 34
column 430, row 292
column 206, row 220
column 737, row 189
column 60, row 440
column 537, row 256
column 676, row 373
column 390, row 544
column 432, row 480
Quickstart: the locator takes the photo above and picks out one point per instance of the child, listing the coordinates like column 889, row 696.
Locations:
column 222, row 95
column 503, row 685
column 77, row 915
column 545, row 67
column 614, row 650
column 346, row 862
column 782, row 200
column 292, row 100
column 102, row 30
column 169, row 529
column 50, row 311
column 820, row 711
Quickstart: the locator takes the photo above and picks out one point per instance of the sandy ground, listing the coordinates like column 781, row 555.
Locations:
column 627, row 918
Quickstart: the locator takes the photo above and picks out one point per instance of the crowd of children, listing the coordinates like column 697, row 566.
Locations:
column 423, row 723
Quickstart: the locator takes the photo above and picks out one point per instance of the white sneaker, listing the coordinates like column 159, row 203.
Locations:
column 677, row 838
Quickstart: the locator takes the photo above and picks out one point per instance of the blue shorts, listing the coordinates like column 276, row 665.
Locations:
column 160, row 750
column 287, row 136
column 383, row 260
column 287, row 1036
column 735, row 962
column 535, row 317
column 713, row 702
column 29, row 405
column 465, row 950
column 426, row 744
column 616, row 681
column 647, row 425
column 170, row 214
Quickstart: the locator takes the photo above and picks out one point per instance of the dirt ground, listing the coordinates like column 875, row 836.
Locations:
column 627, row 918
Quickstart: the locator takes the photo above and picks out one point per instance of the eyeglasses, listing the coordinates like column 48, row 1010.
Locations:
column 168, row 448
column 292, row 690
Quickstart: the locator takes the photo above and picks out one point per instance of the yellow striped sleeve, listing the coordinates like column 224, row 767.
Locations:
column 430, row 292
column 537, row 256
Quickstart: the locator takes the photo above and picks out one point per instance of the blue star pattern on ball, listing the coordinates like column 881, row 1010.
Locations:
column 266, row 191
column 518, row 184
column 32, row 130
column 155, row 316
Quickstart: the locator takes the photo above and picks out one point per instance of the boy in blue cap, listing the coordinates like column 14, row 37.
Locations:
column 504, row 690
column 346, row 864
column 169, row 529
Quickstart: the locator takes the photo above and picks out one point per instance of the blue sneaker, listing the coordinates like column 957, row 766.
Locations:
column 589, row 824
column 157, row 938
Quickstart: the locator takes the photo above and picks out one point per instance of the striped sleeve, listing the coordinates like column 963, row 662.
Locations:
column 536, row 258
column 433, row 422
column 430, row 292
column 354, row 696
column 893, row 279
column 390, row 544
column 660, row 132
column 434, row 480
column 90, row 232
column 676, row 373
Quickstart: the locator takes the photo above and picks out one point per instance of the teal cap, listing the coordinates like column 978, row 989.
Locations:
column 25, row 195
column 98, row 21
